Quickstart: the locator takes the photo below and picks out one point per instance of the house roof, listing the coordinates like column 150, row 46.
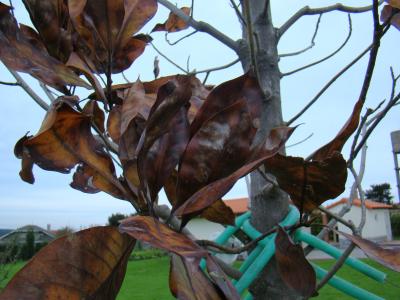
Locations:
column 238, row 205
column 369, row 204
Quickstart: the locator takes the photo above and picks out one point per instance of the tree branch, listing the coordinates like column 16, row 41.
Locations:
column 201, row 26
column 9, row 83
column 168, row 59
column 312, row 44
column 328, row 56
column 180, row 39
column 327, row 85
column 307, row 11
column 216, row 68
column 21, row 82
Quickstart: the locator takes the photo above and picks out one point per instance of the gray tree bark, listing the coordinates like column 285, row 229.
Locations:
column 269, row 204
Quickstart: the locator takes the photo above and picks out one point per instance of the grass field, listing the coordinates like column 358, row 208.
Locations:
column 148, row 280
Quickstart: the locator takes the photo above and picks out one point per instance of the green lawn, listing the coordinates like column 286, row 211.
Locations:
column 148, row 280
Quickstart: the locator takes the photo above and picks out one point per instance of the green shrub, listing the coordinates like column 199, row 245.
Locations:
column 147, row 254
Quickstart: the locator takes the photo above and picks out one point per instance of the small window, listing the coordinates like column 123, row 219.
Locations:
column 376, row 217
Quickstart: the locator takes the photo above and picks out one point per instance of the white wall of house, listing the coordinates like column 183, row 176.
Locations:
column 204, row 229
column 377, row 226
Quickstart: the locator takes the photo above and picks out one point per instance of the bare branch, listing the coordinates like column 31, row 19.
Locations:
column 328, row 84
column 180, row 39
column 216, row 68
column 9, row 83
column 328, row 56
column 21, row 82
column 307, row 11
column 300, row 142
column 201, row 26
column 168, row 59
column 238, row 13
column 312, row 44
column 47, row 92
column 338, row 218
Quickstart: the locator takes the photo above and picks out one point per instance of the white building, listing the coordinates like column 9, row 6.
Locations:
column 205, row 230
column 377, row 226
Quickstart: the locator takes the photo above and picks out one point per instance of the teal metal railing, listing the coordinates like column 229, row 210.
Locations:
column 265, row 249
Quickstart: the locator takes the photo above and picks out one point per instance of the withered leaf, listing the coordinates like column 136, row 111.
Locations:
column 388, row 257
column 157, row 234
column 220, row 213
column 105, row 26
column 293, row 267
column 220, row 146
column 388, row 11
column 187, row 281
column 309, row 183
column 65, row 140
column 215, row 190
column 245, row 87
column 51, row 20
column 89, row 264
column 26, row 173
column 97, row 115
column 340, row 139
column 173, row 23
column 17, row 53
column 76, row 63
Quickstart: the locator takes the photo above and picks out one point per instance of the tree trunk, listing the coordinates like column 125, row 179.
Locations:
column 269, row 204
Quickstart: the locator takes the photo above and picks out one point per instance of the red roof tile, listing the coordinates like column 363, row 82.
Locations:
column 357, row 202
column 238, row 205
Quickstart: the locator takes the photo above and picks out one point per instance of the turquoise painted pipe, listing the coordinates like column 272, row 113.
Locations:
column 345, row 286
column 336, row 253
column 265, row 255
column 230, row 230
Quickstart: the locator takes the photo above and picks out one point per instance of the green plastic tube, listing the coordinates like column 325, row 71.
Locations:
column 265, row 255
column 336, row 253
column 345, row 286
column 230, row 230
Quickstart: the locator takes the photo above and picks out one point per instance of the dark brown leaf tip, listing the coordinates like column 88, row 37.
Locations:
column 293, row 267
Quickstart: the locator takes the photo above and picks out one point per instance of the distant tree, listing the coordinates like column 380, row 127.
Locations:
column 66, row 230
column 114, row 219
column 380, row 193
column 28, row 249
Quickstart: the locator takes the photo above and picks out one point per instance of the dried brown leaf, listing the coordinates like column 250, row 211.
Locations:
column 309, row 183
column 89, row 264
column 388, row 257
column 173, row 23
column 293, row 267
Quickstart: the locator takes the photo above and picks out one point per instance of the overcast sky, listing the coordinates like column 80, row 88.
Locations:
column 51, row 201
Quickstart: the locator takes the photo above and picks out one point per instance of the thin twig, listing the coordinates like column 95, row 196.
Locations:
column 326, row 57
column 312, row 44
column 327, row 85
column 307, row 11
column 201, row 26
column 10, row 83
column 238, row 13
column 47, row 92
column 168, row 59
column 300, row 142
column 180, row 39
column 338, row 218
column 216, row 68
